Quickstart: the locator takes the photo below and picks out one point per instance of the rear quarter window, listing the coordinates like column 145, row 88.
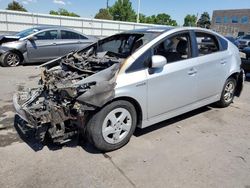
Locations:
column 223, row 43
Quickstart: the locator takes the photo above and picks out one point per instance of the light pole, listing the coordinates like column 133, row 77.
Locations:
column 138, row 11
column 107, row 4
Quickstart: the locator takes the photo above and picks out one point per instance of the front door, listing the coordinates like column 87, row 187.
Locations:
column 173, row 86
column 44, row 47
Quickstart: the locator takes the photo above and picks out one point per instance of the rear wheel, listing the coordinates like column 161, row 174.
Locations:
column 112, row 126
column 228, row 92
column 10, row 59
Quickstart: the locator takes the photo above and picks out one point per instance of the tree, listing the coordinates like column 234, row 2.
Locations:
column 122, row 10
column 161, row 19
column 190, row 20
column 14, row 5
column 204, row 21
column 143, row 18
column 104, row 14
column 63, row 12
column 165, row 19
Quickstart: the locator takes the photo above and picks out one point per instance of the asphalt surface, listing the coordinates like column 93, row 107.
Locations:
column 208, row 147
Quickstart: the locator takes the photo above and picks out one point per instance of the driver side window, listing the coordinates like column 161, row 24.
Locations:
column 47, row 35
column 174, row 48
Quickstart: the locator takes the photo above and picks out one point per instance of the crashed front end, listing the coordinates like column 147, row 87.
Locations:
column 69, row 89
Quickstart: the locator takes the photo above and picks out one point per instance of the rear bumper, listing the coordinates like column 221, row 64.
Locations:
column 240, row 83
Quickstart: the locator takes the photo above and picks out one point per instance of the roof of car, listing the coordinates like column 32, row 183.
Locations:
column 157, row 29
column 50, row 27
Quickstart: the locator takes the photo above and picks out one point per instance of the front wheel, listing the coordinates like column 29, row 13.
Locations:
column 111, row 127
column 228, row 92
column 10, row 59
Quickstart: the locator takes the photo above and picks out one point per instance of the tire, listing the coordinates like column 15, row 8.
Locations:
column 10, row 59
column 106, row 131
column 227, row 94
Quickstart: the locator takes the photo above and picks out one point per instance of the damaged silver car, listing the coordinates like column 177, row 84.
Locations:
column 40, row 44
column 132, row 79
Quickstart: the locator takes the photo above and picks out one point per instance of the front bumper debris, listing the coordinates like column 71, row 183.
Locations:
column 25, row 120
column 36, row 118
column 19, row 110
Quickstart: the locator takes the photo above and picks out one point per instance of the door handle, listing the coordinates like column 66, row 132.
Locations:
column 54, row 44
column 223, row 62
column 141, row 84
column 192, row 71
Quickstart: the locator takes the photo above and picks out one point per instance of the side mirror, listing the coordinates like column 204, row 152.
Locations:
column 32, row 38
column 158, row 61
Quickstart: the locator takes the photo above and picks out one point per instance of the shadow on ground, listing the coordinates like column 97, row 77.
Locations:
column 29, row 138
column 78, row 140
column 141, row 132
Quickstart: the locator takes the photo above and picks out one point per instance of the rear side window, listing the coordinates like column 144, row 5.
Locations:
column 207, row 43
column 71, row 35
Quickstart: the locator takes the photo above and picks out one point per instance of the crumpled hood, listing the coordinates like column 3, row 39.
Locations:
column 6, row 38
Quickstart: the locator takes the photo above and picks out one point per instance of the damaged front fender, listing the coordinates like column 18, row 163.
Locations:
column 103, row 90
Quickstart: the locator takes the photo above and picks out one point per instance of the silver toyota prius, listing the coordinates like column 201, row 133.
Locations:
column 128, row 80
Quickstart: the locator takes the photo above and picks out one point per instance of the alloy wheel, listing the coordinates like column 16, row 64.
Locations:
column 229, row 91
column 13, row 60
column 116, row 125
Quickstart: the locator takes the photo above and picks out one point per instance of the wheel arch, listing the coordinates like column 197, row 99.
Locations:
column 135, row 103
column 18, row 53
column 239, row 77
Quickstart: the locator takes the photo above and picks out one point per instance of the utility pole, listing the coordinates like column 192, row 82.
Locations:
column 107, row 4
column 138, row 11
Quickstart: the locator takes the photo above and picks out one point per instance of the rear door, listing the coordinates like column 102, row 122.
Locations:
column 44, row 46
column 70, row 41
column 212, row 65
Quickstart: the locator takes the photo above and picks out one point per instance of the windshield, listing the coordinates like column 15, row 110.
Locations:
column 27, row 32
column 246, row 37
column 126, row 43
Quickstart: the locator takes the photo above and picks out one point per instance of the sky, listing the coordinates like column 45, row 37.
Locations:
column 177, row 9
